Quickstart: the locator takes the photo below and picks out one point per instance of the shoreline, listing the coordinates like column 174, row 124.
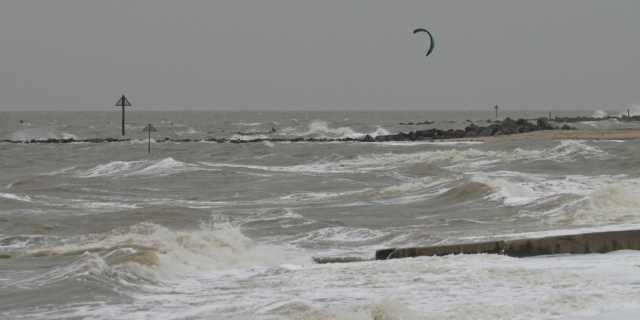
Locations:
column 595, row 134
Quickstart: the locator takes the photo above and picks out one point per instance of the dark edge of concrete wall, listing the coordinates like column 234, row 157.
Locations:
column 597, row 242
column 323, row 260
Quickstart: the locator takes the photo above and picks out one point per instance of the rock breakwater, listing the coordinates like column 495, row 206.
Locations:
column 506, row 127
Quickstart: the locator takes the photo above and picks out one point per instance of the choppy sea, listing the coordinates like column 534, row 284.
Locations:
column 230, row 231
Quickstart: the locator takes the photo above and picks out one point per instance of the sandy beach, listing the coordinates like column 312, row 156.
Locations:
column 598, row 134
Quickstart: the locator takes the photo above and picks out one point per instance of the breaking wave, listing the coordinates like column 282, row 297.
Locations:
column 371, row 162
column 248, row 137
column 15, row 197
column 323, row 130
column 161, row 167
column 155, row 252
column 611, row 204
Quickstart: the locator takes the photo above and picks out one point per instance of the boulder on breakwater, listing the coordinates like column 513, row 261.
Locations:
column 507, row 126
column 597, row 242
column 417, row 123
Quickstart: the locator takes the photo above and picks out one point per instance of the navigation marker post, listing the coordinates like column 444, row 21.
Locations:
column 496, row 107
column 124, row 103
column 149, row 128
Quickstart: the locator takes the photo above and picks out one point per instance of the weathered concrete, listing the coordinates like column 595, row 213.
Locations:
column 324, row 260
column 598, row 242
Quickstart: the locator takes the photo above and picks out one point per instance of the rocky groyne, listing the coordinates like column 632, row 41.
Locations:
column 506, row 127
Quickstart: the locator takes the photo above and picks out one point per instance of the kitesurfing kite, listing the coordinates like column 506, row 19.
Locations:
column 430, row 36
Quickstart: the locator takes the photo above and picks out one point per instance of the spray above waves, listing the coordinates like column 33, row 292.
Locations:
column 37, row 133
column 190, row 130
column 605, row 123
column 322, row 130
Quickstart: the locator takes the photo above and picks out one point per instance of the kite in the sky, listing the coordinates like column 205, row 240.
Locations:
column 430, row 36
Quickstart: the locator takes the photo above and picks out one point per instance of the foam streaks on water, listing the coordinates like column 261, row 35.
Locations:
column 231, row 230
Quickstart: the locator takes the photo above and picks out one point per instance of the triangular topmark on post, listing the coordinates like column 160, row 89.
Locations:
column 149, row 127
column 123, row 100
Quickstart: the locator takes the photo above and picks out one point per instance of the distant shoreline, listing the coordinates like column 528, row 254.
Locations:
column 595, row 134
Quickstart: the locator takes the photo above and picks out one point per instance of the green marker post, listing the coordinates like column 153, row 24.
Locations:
column 149, row 128
column 496, row 107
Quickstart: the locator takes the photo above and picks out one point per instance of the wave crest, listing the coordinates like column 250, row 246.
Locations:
column 162, row 167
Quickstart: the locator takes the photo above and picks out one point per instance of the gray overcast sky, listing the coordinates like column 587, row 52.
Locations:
column 319, row 55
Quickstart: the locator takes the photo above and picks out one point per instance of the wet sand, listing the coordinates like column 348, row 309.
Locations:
column 608, row 134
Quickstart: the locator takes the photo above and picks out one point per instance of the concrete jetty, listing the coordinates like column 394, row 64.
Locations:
column 597, row 242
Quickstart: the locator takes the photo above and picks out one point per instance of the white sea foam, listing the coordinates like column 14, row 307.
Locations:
column 395, row 190
column 380, row 131
column 322, row 129
column 575, row 200
column 285, row 218
column 342, row 235
column 602, row 123
column 371, row 162
column 248, row 137
column 15, row 197
column 572, row 150
column 160, row 167
column 37, row 133
column 267, row 144
column 69, row 136
column 287, row 130
column 615, row 203
column 599, row 114
column 190, row 130
column 451, row 287
column 509, row 193
column 152, row 251
column 253, row 124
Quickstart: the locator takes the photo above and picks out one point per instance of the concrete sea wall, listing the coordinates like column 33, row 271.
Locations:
column 598, row 242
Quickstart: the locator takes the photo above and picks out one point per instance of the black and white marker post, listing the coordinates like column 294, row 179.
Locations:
column 124, row 103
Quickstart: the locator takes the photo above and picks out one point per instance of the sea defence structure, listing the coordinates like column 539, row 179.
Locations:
column 506, row 127
column 597, row 242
